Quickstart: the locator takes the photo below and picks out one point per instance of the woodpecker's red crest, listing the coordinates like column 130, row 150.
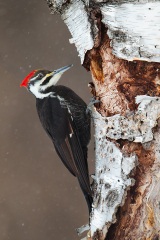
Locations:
column 27, row 78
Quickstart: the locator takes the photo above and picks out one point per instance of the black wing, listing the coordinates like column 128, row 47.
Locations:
column 61, row 128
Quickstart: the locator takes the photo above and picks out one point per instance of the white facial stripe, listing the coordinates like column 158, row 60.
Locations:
column 38, row 90
column 35, row 90
column 52, row 81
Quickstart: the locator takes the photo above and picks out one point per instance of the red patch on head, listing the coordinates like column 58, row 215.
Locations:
column 26, row 79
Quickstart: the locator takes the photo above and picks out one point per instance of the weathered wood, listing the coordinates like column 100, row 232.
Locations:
column 117, row 88
column 114, row 162
column 127, row 181
column 133, row 26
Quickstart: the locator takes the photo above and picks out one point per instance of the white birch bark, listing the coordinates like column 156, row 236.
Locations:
column 133, row 28
column 113, row 167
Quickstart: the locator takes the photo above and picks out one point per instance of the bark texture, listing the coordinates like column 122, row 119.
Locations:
column 132, row 28
column 127, row 136
column 136, row 133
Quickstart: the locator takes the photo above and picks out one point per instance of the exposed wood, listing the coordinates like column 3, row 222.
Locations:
column 127, row 181
column 121, row 82
column 109, row 175
column 139, row 218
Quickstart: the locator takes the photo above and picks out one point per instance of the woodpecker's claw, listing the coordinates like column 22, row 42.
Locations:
column 82, row 229
column 92, row 102
column 93, row 176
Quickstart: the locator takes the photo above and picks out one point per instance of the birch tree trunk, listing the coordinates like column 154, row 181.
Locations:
column 119, row 42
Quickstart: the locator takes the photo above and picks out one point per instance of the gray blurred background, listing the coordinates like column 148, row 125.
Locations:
column 39, row 199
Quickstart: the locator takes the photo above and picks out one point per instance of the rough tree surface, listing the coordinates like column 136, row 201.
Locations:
column 118, row 41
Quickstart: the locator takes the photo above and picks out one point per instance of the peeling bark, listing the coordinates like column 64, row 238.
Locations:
column 127, row 123
column 132, row 28
column 127, row 136
column 122, row 80
column 139, row 203
column 141, row 212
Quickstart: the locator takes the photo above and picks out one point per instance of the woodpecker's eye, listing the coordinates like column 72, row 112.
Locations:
column 40, row 75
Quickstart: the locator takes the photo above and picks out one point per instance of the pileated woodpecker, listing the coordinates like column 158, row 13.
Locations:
column 63, row 116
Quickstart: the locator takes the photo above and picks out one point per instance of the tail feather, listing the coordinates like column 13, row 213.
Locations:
column 89, row 201
column 87, row 196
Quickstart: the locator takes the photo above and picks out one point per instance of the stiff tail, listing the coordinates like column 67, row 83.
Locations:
column 88, row 197
column 89, row 201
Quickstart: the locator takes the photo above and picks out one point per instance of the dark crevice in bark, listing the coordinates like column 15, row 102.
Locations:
column 93, row 57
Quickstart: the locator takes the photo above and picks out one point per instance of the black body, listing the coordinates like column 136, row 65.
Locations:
column 64, row 118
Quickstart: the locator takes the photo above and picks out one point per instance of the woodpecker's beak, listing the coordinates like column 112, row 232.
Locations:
column 63, row 69
column 59, row 71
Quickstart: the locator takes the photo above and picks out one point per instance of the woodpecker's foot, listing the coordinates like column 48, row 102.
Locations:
column 93, row 176
column 82, row 229
column 93, row 183
column 92, row 102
